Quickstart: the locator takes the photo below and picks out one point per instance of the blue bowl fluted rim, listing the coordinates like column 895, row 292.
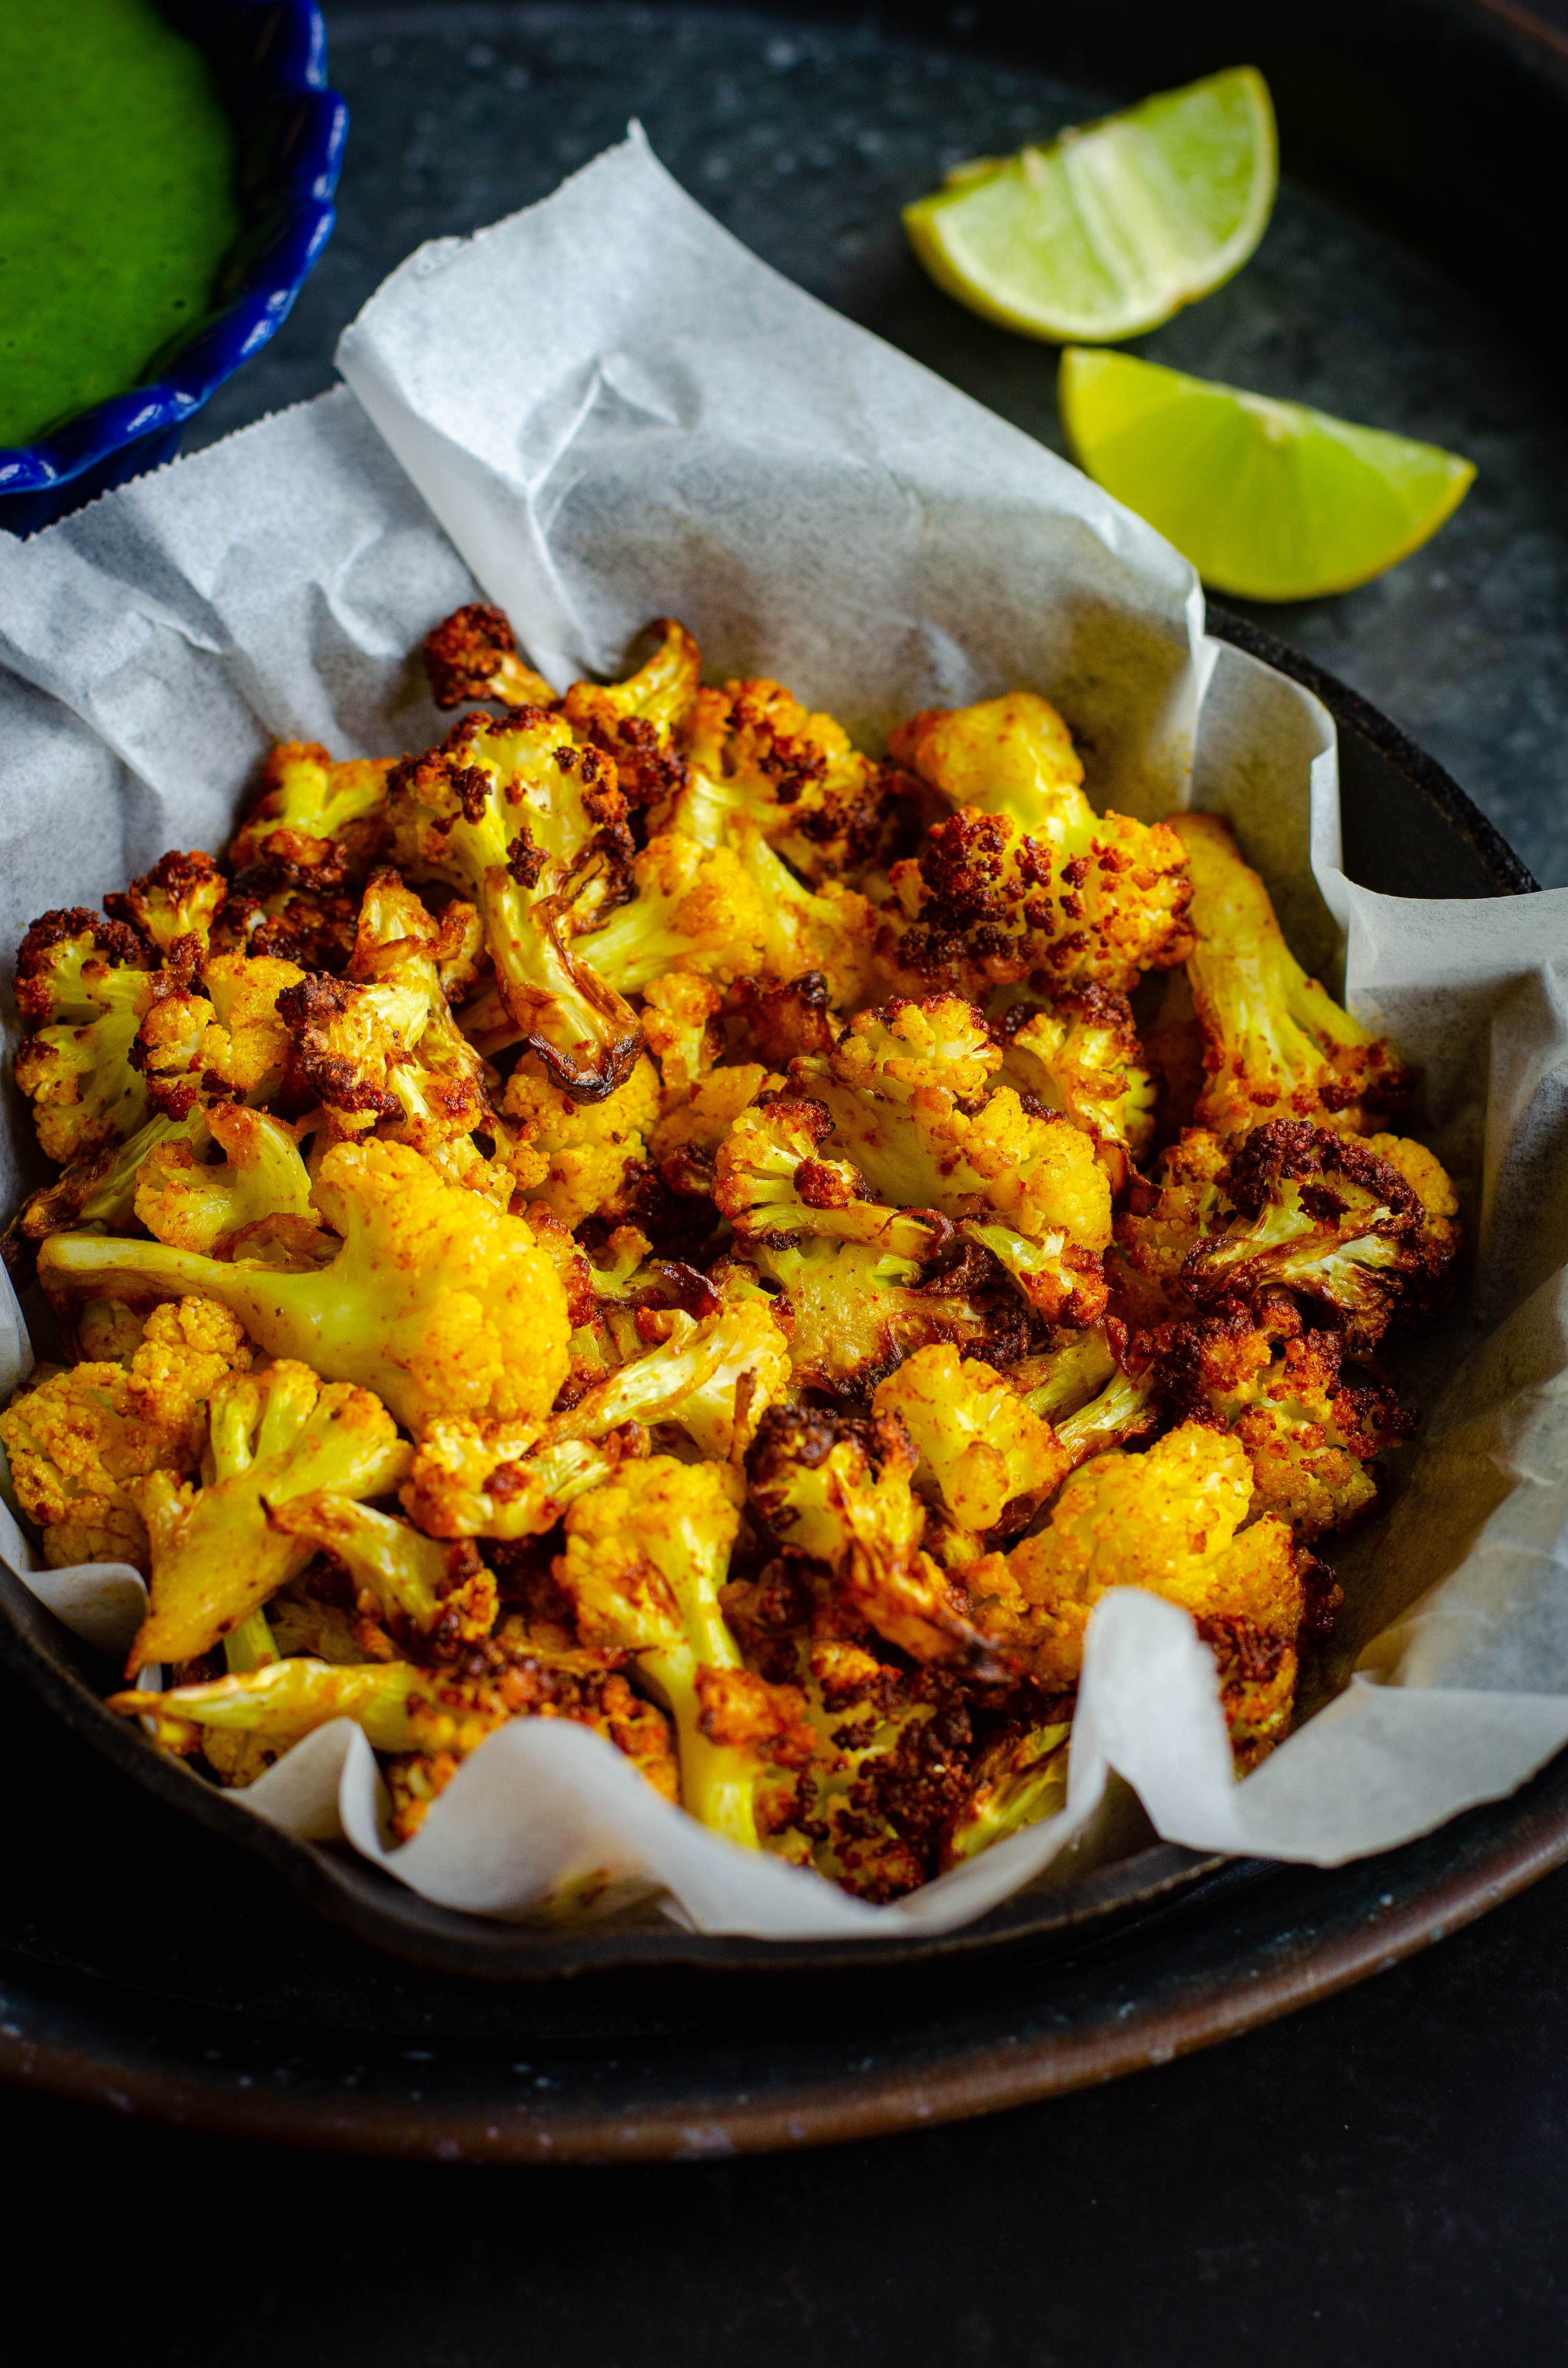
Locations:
column 269, row 57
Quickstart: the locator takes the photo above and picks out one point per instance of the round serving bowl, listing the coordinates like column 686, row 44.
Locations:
column 268, row 60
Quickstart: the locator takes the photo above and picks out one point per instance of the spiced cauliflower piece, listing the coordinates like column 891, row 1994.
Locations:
column 1167, row 1521
column 755, row 754
column 216, row 1555
column 1079, row 1056
column 190, row 1204
column 531, row 829
column 1025, row 881
column 840, row 1491
column 173, row 907
column 645, row 1560
column 980, row 1446
column 711, row 1378
column 83, row 987
column 440, row 1593
column 76, row 1440
column 317, row 821
column 694, row 910
column 473, row 653
column 908, row 1089
column 438, row 1300
column 639, row 720
column 1369, row 1226
column 1276, row 1044
column 582, row 1159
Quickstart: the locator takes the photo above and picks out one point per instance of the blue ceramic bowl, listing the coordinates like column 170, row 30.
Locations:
column 268, row 58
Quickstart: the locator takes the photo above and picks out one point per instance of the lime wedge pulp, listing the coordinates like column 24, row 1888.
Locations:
column 1269, row 500
column 1109, row 229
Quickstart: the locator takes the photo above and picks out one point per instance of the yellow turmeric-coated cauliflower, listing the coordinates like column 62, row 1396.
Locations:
column 1166, row 1521
column 1276, row 1043
column 76, row 1440
column 436, row 1300
column 980, row 1445
column 1025, row 881
column 216, row 1555
column 582, row 1159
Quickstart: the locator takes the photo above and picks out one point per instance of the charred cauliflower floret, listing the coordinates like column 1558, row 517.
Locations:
column 646, row 1557
column 216, row 1555
column 438, row 1300
column 908, row 1090
column 317, row 822
column 473, row 653
column 639, row 720
column 83, row 987
column 173, row 908
column 1080, row 1058
column 1025, row 881
column 1276, row 1044
column 1162, row 1226
column 840, row 1492
column 1310, row 1437
column 755, row 754
column 531, row 829
column 77, row 1440
column 1368, row 1227
column 582, row 1159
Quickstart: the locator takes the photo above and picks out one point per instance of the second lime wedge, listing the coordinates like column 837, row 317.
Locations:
column 1109, row 229
column 1269, row 500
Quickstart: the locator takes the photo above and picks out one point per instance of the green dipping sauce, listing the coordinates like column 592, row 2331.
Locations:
column 117, row 202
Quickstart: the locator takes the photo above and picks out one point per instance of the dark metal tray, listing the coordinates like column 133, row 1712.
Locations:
column 143, row 1956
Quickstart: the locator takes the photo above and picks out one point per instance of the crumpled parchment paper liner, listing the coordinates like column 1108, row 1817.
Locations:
column 603, row 409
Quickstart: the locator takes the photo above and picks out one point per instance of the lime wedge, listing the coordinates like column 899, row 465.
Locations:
column 1112, row 229
column 1270, row 500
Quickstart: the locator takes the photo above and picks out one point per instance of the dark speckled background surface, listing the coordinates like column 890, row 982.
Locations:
column 1383, row 2179
column 806, row 138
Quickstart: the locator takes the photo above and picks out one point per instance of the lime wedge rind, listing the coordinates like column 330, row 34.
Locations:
column 1111, row 228
column 1269, row 500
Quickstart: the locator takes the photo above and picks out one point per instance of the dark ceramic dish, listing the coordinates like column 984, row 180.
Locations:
column 1409, row 830
column 450, row 2036
column 269, row 58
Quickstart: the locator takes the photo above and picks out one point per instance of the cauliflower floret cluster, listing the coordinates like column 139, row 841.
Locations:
column 647, row 1214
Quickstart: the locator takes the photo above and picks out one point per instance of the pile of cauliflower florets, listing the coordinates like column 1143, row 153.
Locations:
column 644, row 1214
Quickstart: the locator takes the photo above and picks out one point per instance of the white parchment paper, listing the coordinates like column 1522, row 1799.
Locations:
column 602, row 410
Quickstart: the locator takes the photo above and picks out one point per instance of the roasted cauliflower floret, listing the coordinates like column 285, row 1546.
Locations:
column 192, row 1204
column 840, row 1491
column 1370, row 1227
column 1080, row 1057
column 440, row 1595
column 316, row 822
column 83, row 987
column 980, row 1447
column 679, row 1011
column 853, row 1311
column 473, row 653
column 907, row 1089
column 694, row 910
column 173, row 907
column 646, row 1557
column 1025, row 881
column 76, row 1440
column 756, row 754
column 582, row 1159
column 282, row 1701
column 1276, row 1044
column 216, row 1556
column 770, row 1181
column 1166, row 1521
column 438, row 1300
column 639, row 720
column 709, row 1378
column 531, row 829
